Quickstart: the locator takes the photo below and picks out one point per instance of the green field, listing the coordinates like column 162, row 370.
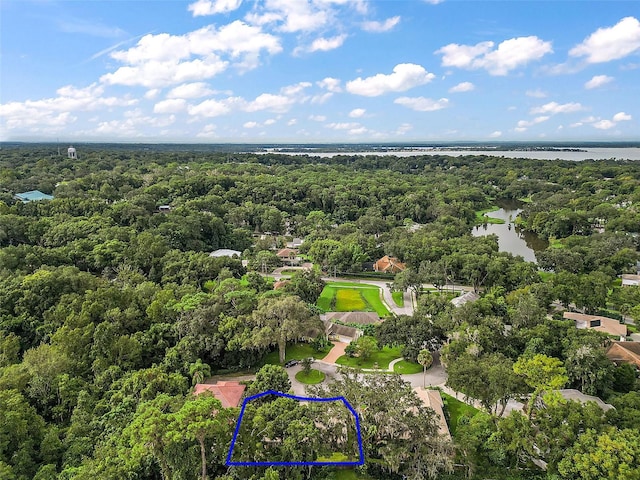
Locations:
column 314, row 376
column 295, row 351
column 456, row 409
column 381, row 357
column 481, row 218
column 405, row 368
column 352, row 297
column 398, row 297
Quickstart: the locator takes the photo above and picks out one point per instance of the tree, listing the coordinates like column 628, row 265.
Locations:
column 425, row 359
column 399, row 434
column 589, row 368
column 270, row 377
column 281, row 319
column 202, row 418
column 541, row 373
column 364, row 347
column 408, row 279
column 306, row 284
column 611, row 455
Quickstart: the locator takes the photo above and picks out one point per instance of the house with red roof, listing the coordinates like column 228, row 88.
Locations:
column 229, row 393
column 389, row 264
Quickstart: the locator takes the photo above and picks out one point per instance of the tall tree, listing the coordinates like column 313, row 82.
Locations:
column 281, row 319
column 543, row 374
column 425, row 359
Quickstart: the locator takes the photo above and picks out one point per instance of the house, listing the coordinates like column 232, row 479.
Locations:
column 610, row 326
column 433, row 400
column 289, row 256
column 389, row 264
column 630, row 280
column 229, row 393
column 32, row 196
column 577, row 396
column 465, row 298
column 225, row 252
column 295, row 243
column 361, row 318
column 338, row 332
column 624, row 352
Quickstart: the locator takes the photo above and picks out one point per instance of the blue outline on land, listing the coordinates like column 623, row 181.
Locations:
column 360, row 461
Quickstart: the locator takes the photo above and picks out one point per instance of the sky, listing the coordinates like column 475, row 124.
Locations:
column 305, row 71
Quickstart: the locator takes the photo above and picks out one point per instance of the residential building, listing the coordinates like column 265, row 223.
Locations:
column 32, row 196
column 433, row 400
column 361, row 318
column 342, row 333
column 630, row 280
column 389, row 264
column 225, row 252
column 599, row 323
column 229, row 393
column 465, row 298
column 624, row 352
column 289, row 256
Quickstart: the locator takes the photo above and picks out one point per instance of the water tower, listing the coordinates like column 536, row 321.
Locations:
column 71, row 153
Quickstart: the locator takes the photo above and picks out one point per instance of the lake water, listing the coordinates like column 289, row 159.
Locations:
column 588, row 154
column 510, row 237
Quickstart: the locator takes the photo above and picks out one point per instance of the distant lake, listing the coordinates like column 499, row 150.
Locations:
column 588, row 154
column 510, row 237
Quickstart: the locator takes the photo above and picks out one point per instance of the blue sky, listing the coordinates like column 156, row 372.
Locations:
column 319, row 70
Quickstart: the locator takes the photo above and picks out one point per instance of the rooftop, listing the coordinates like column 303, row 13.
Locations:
column 33, row 195
column 229, row 393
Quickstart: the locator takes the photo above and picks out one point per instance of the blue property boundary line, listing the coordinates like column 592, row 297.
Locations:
column 360, row 461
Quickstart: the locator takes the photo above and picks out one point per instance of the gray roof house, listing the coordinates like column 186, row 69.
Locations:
column 32, row 196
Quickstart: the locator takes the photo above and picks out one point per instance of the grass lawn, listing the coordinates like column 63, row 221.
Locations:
column 296, row 351
column 314, row 376
column 352, row 297
column 381, row 357
column 404, row 367
column 456, row 409
column 481, row 218
column 398, row 297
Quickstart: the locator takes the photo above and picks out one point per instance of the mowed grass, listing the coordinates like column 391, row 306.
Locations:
column 457, row 409
column 295, row 351
column 313, row 377
column 352, row 297
column 381, row 357
column 404, row 367
column 481, row 218
column 398, row 298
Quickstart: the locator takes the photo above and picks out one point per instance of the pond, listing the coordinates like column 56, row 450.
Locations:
column 511, row 238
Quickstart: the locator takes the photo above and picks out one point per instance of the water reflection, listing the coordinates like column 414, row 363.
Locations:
column 510, row 237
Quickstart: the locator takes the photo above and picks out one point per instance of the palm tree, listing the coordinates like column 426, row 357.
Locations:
column 425, row 359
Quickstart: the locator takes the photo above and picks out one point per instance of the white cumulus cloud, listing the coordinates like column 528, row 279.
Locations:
column 610, row 43
column 357, row 112
column 190, row 90
column 379, row 27
column 326, row 44
column 211, row 7
column 509, row 55
column 331, row 84
column 170, row 106
column 622, row 117
column 404, row 77
column 422, row 104
column 604, row 124
column 462, row 87
column 598, row 81
column 496, row 134
column 554, row 108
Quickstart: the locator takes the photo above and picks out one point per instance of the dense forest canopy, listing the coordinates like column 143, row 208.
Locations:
column 110, row 310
